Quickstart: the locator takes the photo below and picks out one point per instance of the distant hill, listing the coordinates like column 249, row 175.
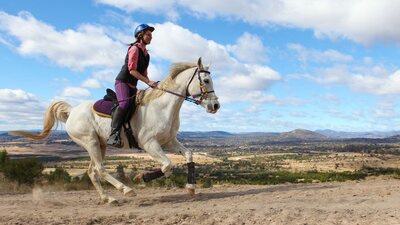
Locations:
column 257, row 134
column 346, row 135
column 265, row 137
column 300, row 135
column 4, row 137
column 54, row 135
column 204, row 134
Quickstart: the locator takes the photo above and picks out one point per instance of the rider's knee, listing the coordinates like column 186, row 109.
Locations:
column 124, row 105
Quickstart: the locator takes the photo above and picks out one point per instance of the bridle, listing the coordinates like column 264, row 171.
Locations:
column 192, row 98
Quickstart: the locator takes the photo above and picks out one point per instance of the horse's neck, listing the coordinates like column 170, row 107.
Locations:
column 171, row 104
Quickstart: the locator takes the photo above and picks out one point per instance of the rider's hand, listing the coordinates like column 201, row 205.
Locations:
column 152, row 84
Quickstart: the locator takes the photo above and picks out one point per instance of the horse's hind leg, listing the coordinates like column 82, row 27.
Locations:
column 94, row 177
column 127, row 191
column 91, row 144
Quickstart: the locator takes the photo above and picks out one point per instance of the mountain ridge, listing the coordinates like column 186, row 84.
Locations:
column 294, row 135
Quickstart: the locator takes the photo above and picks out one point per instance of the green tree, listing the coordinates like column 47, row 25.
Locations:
column 3, row 159
column 23, row 171
column 59, row 175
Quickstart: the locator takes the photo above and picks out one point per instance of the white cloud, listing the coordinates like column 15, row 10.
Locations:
column 20, row 110
column 251, row 77
column 150, row 6
column 89, row 45
column 363, row 21
column 249, row 49
column 331, row 98
column 16, row 95
column 108, row 75
column 368, row 60
column 385, row 109
column 177, row 44
column 375, row 80
column 247, row 84
column 91, row 83
column 233, row 80
column 76, row 92
column 311, row 55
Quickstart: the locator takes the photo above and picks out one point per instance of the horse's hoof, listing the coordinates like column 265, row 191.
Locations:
column 109, row 200
column 191, row 191
column 129, row 192
column 112, row 201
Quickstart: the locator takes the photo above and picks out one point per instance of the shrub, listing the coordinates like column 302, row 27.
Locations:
column 178, row 180
column 85, row 181
column 59, row 175
column 120, row 173
column 23, row 171
column 3, row 159
column 206, row 183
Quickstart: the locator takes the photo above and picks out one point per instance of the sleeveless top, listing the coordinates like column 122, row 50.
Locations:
column 142, row 64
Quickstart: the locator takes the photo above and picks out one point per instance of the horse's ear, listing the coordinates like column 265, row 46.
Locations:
column 199, row 64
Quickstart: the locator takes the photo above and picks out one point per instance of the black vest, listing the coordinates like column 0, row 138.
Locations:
column 142, row 64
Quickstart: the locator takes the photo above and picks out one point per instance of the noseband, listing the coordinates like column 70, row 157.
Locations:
column 192, row 98
column 203, row 90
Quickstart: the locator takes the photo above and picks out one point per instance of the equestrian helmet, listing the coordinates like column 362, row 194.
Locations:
column 143, row 27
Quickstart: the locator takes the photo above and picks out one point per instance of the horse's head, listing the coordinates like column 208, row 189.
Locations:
column 201, row 88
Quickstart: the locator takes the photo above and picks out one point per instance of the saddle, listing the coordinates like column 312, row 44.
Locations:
column 105, row 107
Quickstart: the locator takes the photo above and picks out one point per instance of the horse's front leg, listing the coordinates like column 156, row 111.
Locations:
column 176, row 147
column 155, row 151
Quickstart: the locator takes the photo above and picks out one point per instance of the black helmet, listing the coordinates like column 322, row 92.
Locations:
column 143, row 27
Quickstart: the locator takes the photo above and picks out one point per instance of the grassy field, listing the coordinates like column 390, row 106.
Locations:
column 250, row 168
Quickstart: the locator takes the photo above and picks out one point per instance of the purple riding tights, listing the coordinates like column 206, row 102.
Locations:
column 124, row 91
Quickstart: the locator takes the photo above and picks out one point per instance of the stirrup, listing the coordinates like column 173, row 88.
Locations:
column 115, row 140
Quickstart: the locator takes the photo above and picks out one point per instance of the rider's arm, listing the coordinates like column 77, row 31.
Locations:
column 139, row 76
column 132, row 65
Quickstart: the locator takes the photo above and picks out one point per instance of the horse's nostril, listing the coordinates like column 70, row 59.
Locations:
column 216, row 106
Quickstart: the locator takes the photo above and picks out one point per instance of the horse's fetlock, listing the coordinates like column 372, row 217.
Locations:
column 166, row 169
column 189, row 156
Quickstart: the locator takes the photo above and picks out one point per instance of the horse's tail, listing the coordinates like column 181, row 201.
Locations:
column 57, row 111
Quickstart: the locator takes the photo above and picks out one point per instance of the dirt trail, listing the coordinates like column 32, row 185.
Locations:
column 372, row 201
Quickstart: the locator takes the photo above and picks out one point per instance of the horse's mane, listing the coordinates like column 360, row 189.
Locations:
column 168, row 83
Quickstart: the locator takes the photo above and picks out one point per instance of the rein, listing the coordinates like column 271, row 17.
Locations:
column 188, row 97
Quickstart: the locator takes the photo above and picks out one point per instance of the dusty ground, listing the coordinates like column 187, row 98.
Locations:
column 372, row 201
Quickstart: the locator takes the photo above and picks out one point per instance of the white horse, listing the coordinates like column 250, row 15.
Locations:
column 155, row 125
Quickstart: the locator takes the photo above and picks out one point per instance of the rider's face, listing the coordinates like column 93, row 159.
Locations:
column 147, row 36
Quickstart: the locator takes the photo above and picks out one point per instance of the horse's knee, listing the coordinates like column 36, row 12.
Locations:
column 99, row 171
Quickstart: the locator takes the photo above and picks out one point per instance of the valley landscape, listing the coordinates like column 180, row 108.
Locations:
column 296, row 177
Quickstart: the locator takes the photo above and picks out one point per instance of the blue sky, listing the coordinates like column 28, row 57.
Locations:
column 277, row 65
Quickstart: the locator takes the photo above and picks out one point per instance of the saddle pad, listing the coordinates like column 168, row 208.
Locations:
column 103, row 108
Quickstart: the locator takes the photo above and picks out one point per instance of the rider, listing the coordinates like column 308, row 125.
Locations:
column 135, row 68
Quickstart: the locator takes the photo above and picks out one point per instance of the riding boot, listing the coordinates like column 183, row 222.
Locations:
column 118, row 118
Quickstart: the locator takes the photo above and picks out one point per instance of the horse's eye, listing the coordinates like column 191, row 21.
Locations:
column 206, row 81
